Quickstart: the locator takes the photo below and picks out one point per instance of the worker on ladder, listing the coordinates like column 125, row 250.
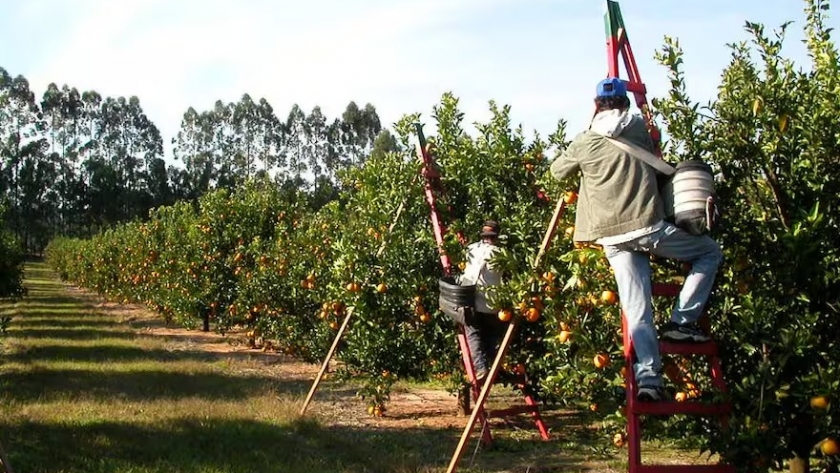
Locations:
column 484, row 330
column 620, row 208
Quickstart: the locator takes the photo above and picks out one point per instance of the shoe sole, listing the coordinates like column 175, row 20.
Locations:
column 649, row 398
column 684, row 337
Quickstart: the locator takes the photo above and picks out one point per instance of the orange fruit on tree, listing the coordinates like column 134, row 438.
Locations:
column 353, row 287
column 425, row 317
column 819, row 402
column 681, row 396
column 570, row 197
column 505, row 315
column 829, row 447
column 601, row 360
column 532, row 314
column 609, row 297
column 564, row 336
column 381, row 288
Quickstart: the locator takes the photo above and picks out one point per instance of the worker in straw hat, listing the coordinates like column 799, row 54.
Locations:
column 484, row 329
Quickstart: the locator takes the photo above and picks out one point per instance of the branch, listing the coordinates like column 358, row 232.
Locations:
column 778, row 196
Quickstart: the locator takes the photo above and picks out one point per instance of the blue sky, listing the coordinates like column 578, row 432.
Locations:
column 542, row 57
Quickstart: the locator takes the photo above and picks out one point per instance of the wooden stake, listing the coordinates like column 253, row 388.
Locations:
column 500, row 354
column 347, row 317
column 326, row 362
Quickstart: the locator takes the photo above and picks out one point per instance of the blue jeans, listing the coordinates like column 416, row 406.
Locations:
column 484, row 332
column 631, row 263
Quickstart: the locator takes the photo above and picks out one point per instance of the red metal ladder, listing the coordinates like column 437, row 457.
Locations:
column 618, row 43
column 433, row 188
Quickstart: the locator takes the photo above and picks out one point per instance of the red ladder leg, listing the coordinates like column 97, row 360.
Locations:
column 636, row 409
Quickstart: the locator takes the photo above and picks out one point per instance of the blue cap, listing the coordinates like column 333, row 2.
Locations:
column 611, row 87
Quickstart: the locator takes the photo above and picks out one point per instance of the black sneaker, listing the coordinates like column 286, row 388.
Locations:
column 651, row 394
column 683, row 333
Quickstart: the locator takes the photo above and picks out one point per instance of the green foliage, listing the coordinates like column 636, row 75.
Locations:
column 772, row 136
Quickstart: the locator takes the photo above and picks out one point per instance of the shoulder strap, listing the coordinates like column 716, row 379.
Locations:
column 644, row 155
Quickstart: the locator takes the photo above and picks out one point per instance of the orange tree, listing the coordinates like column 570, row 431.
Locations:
column 772, row 136
column 11, row 270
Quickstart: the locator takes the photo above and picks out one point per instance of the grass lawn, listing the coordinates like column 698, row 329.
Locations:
column 84, row 390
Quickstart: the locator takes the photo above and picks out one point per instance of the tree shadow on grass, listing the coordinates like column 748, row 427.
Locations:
column 69, row 333
column 39, row 384
column 68, row 322
column 240, row 445
column 104, row 353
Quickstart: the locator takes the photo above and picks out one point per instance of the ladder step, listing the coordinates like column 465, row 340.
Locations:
column 676, row 348
column 685, row 469
column 512, row 411
column 694, row 408
column 665, row 289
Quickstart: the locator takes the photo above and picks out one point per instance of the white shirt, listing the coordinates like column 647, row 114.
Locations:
column 479, row 272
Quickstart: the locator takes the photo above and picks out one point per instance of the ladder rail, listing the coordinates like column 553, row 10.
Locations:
column 618, row 44
column 431, row 186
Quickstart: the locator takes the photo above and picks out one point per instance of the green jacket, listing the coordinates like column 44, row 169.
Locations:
column 618, row 193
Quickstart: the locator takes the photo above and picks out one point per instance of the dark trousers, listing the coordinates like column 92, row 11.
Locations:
column 484, row 331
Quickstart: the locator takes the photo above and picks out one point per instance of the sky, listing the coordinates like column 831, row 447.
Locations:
column 541, row 57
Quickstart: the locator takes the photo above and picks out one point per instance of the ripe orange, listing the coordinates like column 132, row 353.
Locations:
column 609, row 297
column 425, row 317
column 505, row 315
column 564, row 336
column 353, row 287
column 618, row 440
column 381, row 288
column 532, row 314
column 601, row 360
column 829, row 447
column 681, row 396
column 570, row 197
column 819, row 402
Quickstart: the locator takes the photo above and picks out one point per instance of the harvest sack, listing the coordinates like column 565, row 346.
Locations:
column 688, row 193
column 456, row 301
